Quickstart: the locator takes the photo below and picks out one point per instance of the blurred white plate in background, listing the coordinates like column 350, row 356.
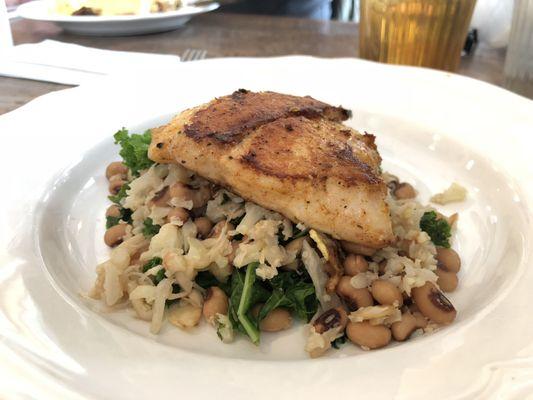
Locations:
column 117, row 25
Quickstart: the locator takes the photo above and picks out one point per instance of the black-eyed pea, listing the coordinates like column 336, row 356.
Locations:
column 216, row 302
column 401, row 330
column 115, row 235
column 231, row 256
column 115, row 185
column 295, row 246
column 203, row 226
column 219, row 226
column 421, row 321
column 355, row 264
column 354, row 298
column 117, row 177
column 381, row 267
column 368, row 336
column 393, row 182
column 184, row 315
column 447, row 281
column 201, row 196
column 113, row 211
column 161, row 198
column 404, row 191
column 178, row 213
column 182, row 192
column 433, row 304
column 332, row 318
column 355, row 248
column 256, row 309
column 386, row 293
column 276, row 320
column 448, row 260
column 116, row 168
column 406, row 299
column 136, row 257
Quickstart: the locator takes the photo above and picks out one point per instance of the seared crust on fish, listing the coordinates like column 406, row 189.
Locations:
column 286, row 153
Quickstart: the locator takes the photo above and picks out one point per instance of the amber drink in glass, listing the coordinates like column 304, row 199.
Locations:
column 428, row 33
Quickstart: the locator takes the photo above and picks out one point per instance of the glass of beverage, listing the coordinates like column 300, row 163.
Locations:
column 428, row 33
column 518, row 70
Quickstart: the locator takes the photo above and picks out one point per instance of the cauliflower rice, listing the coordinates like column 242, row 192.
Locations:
column 155, row 266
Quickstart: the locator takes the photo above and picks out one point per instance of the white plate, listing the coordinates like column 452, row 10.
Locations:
column 118, row 25
column 432, row 128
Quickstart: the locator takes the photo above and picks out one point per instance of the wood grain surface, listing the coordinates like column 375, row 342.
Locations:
column 226, row 35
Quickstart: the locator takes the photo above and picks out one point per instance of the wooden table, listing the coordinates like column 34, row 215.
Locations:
column 224, row 35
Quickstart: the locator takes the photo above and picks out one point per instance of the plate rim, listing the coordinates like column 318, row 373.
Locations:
column 527, row 194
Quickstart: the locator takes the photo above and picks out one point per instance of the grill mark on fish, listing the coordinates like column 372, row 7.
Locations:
column 218, row 123
column 310, row 168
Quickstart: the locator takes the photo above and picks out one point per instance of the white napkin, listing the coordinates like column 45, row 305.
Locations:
column 71, row 64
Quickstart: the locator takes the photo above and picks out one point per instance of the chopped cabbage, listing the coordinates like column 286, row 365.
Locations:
column 224, row 206
column 162, row 291
column 314, row 265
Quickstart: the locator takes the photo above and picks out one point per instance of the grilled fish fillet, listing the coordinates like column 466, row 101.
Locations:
column 286, row 153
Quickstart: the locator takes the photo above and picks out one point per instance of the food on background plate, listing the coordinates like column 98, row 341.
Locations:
column 258, row 209
column 114, row 7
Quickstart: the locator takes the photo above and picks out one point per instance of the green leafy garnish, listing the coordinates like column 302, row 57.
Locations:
column 298, row 233
column 134, row 150
column 159, row 276
column 206, row 280
column 111, row 221
column 438, row 229
column 120, row 195
column 337, row 343
column 152, row 263
column 125, row 215
column 237, row 283
column 246, row 291
column 289, row 289
column 293, row 291
column 150, row 229
column 245, row 302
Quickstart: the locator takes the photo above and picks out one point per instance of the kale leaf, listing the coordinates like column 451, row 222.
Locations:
column 296, row 233
column 206, row 280
column 245, row 292
column 152, row 263
column 150, row 229
column 245, row 303
column 120, row 195
column 289, row 289
column 111, row 221
column 125, row 215
column 134, row 149
column 159, row 276
column 294, row 291
column 438, row 229
column 337, row 343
